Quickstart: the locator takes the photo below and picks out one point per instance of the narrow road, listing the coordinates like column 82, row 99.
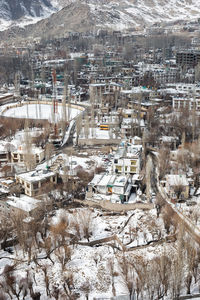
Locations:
column 189, row 226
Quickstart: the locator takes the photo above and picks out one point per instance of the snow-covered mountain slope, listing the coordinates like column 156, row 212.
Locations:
column 85, row 15
column 15, row 9
column 81, row 15
column 14, row 12
column 123, row 13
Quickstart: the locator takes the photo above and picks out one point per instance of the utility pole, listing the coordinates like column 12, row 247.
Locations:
column 64, row 114
column 92, row 111
column 139, row 113
column 17, row 84
column 54, row 103
column 148, row 177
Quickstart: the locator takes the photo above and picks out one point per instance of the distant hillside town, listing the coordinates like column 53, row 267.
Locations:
column 100, row 164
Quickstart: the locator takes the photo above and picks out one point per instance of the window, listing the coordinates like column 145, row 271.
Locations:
column 133, row 162
column 35, row 185
column 133, row 169
column 119, row 168
column 181, row 104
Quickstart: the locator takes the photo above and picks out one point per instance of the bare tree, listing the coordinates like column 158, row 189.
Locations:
column 79, row 124
column 178, row 190
column 86, row 125
column 13, row 286
column 49, row 150
column 129, row 277
column 85, row 288
column 83, row 224
column 164, row 162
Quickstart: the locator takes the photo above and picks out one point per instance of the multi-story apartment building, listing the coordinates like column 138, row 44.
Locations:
column 190, row 58
column 104, row 94
column 128, row 160
column 19, row 155
column 180, row 103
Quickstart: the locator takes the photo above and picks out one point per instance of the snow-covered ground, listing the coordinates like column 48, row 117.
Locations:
column 91, row 265
column 97, row 133
column 39, row 111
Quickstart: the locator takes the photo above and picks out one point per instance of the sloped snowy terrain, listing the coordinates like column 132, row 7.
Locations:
column 81, row 14
column 14, row 12
column 15, row 9
column 90, row 266
column 128, row 13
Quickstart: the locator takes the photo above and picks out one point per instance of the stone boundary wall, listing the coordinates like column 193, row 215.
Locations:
column 189, row 226
column 192, row 296
column 93, row 141
column 107, row 205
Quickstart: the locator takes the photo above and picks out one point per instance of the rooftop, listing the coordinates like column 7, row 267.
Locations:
column 106, row 180
column 36, row 175
column 175, row 180
column 24, row 203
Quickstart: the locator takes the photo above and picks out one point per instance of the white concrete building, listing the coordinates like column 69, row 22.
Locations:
column 127, row 160
column 5, row 151
column 190, row 103
column 32, row 182
column 109, row 187
column 19, row 156
column 23, row 204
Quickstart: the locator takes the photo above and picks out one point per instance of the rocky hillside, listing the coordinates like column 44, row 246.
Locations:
column 79, row 15
column 123, row 14
column 15, row 9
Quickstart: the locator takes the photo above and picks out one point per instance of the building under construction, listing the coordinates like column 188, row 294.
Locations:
column 58, row 131
column 188, row 58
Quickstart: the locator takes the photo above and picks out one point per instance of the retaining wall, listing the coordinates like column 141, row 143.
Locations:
column 107, row 205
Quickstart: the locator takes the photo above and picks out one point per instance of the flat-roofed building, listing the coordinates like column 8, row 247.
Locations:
column 20, row 155
column 189, row 58
column 127, row 159
column 33, row 182
column 189, row 103
column 109, row 187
